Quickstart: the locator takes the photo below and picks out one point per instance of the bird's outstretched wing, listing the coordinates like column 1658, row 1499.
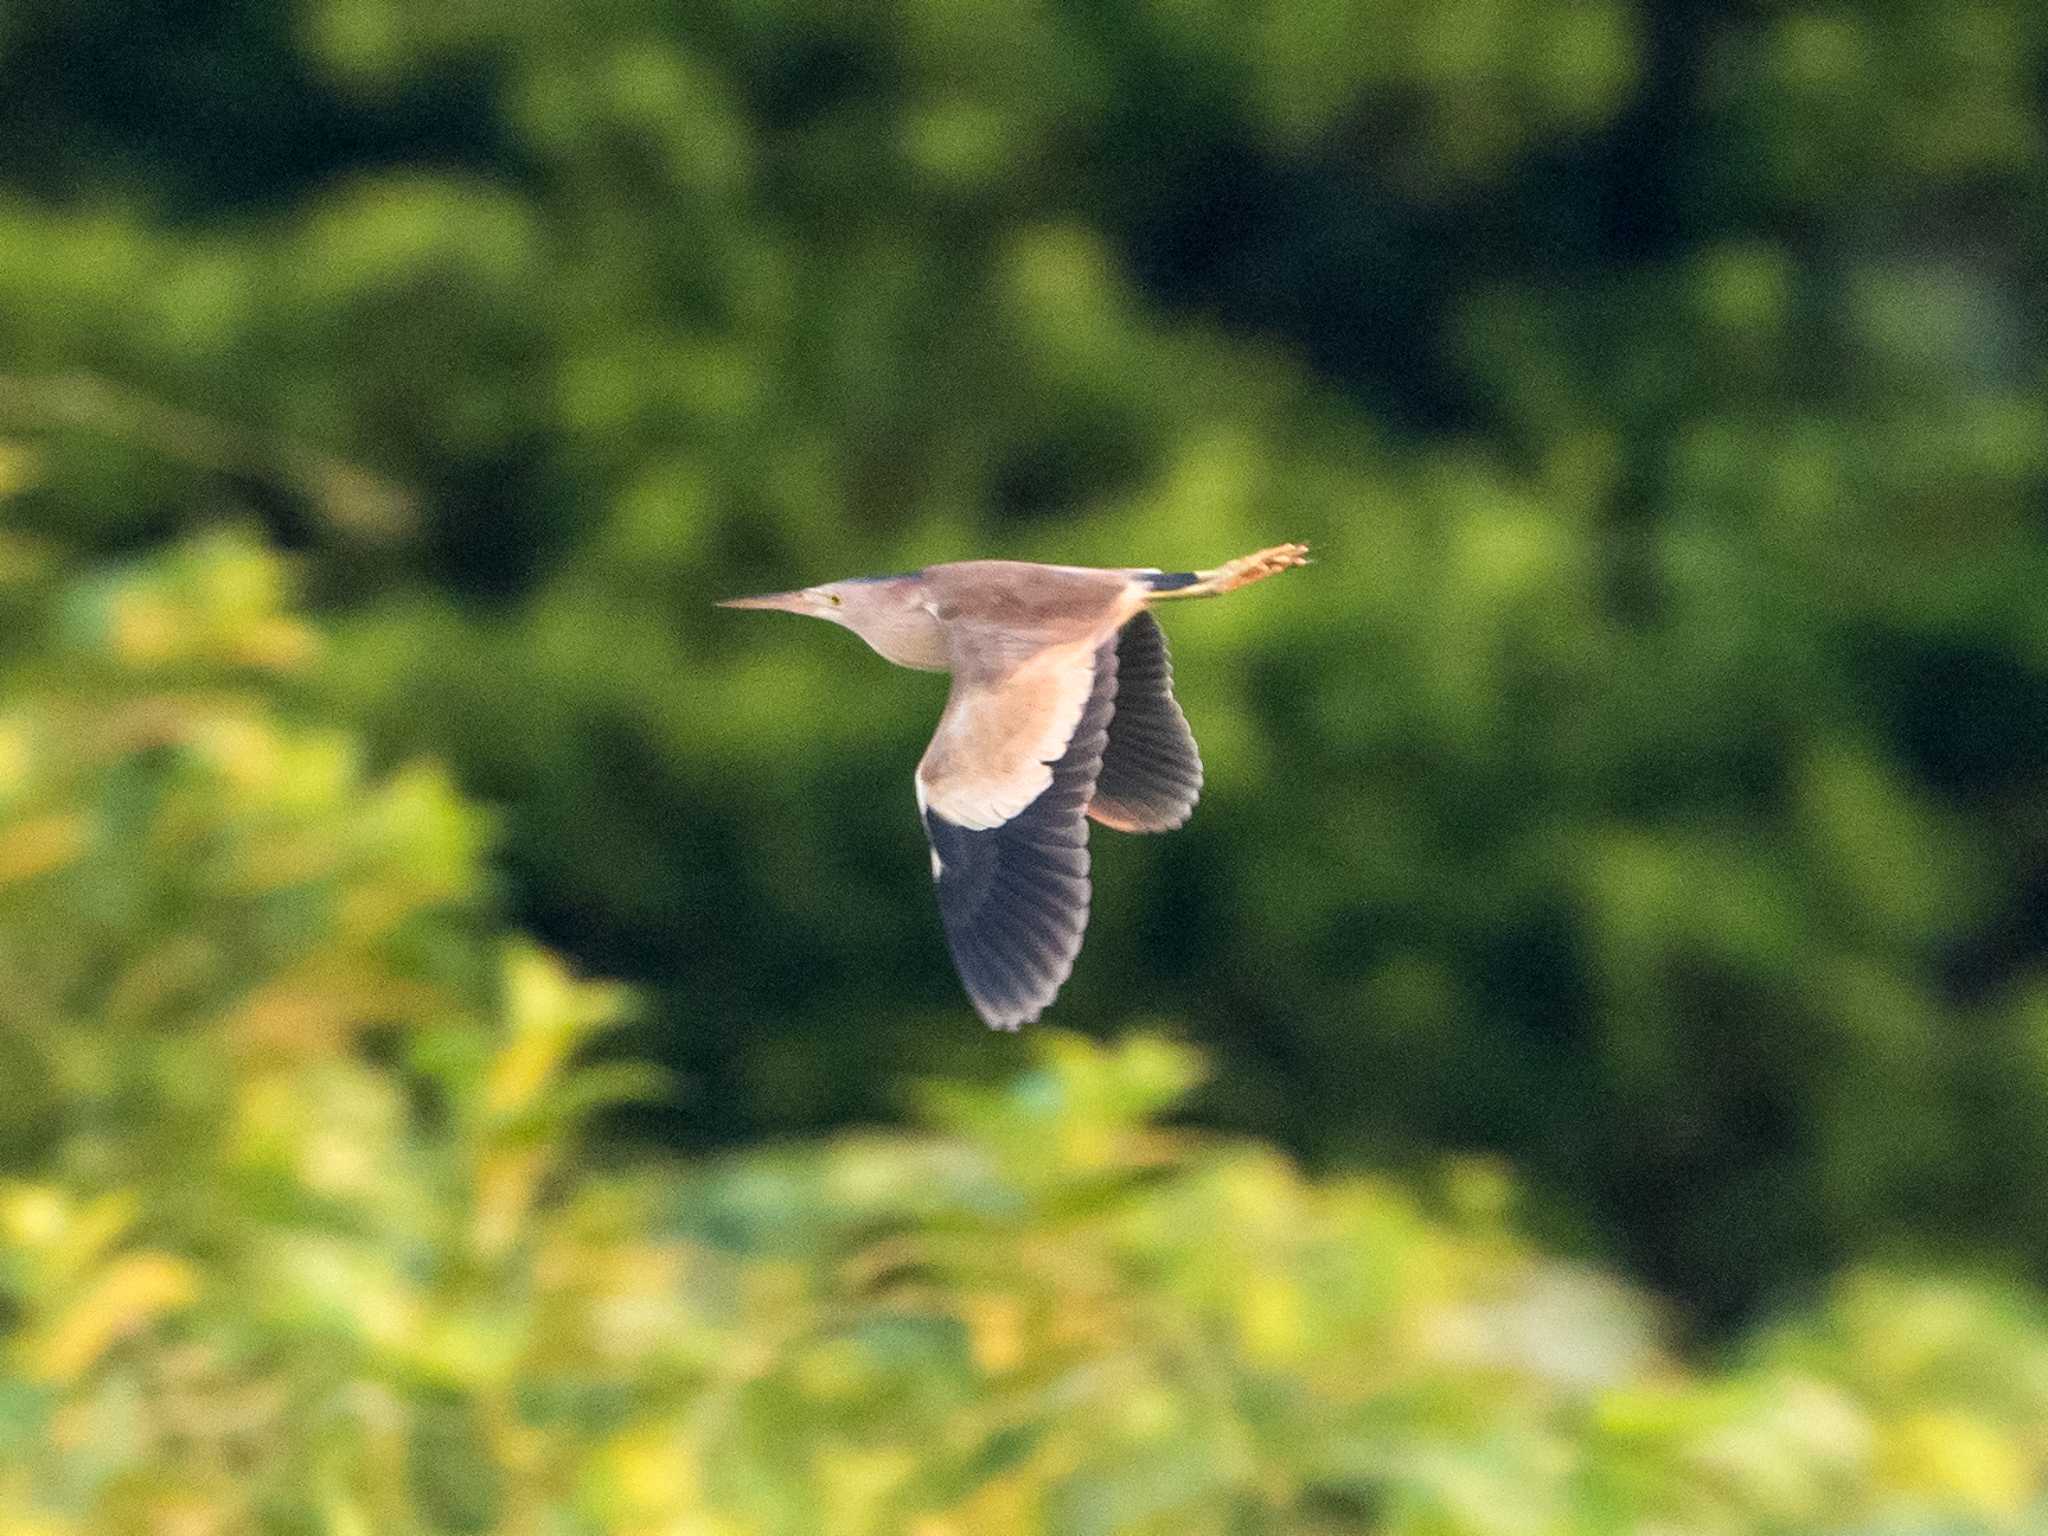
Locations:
column 1004, row 790
column 1151, row 773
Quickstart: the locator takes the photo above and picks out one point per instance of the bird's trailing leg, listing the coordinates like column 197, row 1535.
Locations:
column 1241, row 572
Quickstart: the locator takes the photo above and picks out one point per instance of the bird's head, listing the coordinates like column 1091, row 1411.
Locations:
column 888, row 612
column 826, row 602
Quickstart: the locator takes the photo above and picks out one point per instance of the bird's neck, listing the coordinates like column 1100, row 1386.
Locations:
column 909, row 636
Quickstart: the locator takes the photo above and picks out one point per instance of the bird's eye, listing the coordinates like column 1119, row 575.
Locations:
column 832, row 598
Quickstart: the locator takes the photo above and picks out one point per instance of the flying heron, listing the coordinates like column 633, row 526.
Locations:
column 1061, row 709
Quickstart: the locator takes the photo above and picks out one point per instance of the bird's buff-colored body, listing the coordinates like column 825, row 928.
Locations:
column 1061, row 711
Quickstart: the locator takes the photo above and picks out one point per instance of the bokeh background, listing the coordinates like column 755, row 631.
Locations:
column 1585, row 1066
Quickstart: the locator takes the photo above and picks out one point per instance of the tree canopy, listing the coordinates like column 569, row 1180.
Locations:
column 1638, row 806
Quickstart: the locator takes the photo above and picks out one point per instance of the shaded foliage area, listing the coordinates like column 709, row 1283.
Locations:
column 1648, row 784
column 300, row 1228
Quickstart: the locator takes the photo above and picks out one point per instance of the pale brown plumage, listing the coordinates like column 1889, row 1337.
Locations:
column 1061, row 709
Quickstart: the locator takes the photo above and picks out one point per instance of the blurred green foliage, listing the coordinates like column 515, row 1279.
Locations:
column 300, row 1229
column 1646, row 786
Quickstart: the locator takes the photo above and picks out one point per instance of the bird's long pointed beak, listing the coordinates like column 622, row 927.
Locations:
column 788, row 602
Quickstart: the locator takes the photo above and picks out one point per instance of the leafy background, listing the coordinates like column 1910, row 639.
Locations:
column 1586, row 1065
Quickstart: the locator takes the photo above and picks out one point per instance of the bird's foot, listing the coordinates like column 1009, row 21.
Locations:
column 1241, row 572
column 1246, row 569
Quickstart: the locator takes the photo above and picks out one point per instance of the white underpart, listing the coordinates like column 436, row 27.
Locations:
column 917, row 783
column 991, row 798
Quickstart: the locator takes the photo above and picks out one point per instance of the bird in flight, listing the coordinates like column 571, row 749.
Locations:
column 1061, row 710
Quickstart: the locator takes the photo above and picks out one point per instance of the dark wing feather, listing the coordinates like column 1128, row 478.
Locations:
column 1151, row 773
column 1014, row 897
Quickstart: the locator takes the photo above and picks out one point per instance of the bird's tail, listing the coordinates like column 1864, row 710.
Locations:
column 1241, row 572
